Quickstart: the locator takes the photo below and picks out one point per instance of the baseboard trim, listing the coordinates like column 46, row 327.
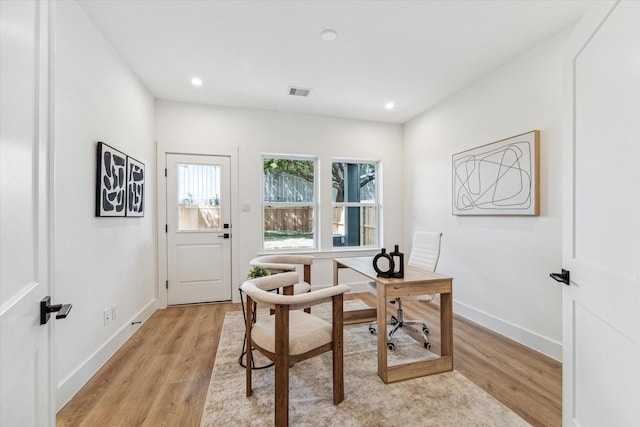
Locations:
column 70, row 385
column 523, row 336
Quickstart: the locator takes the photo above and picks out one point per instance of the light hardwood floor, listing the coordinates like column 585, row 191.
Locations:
column 161, row 375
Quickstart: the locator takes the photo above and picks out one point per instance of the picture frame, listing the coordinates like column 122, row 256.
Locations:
column 135, row 187
column 499, row 178
column 110, row 182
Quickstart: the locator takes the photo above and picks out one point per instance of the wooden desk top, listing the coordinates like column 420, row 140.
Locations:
column 364, row 265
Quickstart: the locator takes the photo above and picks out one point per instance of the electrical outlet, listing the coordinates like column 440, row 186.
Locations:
column 114, row 312
column 107, row 316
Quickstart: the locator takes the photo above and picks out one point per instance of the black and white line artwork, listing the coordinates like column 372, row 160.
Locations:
column 135, row 187
column 111, row 180
column 500, row 178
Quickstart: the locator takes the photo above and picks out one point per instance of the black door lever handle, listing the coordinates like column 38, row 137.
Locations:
column 46, row 308
column 563, row 277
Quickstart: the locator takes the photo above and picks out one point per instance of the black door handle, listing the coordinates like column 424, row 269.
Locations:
column 46, row 309
column 563, row 277
column 225, row 236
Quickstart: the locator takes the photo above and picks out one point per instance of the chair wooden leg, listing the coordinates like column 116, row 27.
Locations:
column 338, row 349
column 307, row 278
column 282, row 366
column 249, row 355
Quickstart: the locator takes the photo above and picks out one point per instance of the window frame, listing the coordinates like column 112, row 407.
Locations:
column 314, row 204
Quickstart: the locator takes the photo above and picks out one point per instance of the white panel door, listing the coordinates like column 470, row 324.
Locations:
column 601, row 306
column 198, row 229
column 26, row 386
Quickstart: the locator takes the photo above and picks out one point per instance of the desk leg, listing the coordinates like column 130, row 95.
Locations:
column 382, row 331
column 446, row 324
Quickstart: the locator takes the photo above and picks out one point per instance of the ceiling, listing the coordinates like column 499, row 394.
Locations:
column 248, row 53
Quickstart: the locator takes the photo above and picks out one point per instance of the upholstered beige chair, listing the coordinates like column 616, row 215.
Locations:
column 292, row 335
column 425, row 252
column 278, row 263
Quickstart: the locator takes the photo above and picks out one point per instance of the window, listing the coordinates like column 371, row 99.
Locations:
column 198, row 197
column 289, row 202
column 355, row 205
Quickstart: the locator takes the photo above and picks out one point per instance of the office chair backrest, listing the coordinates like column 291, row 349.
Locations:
column 426, row 250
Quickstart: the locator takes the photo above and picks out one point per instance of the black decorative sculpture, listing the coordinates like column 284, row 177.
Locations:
column 383, row 255
column 399, row 274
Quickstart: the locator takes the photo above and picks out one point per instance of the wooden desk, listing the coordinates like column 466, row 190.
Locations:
column 415, row 282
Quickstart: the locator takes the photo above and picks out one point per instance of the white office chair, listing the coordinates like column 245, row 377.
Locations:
column 425, row 253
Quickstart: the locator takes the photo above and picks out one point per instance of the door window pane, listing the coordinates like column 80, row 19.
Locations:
column 198, row 197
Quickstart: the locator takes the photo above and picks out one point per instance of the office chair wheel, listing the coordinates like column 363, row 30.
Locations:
column 427, row 345
column 372, row 330
column 391, row 346
column 394, row 320
column 425, row 330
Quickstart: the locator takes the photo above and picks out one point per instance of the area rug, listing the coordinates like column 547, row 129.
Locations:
column 447, row 399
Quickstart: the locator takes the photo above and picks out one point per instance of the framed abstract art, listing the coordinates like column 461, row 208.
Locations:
column 500, row 178
column 135, row 187
column 111, row 182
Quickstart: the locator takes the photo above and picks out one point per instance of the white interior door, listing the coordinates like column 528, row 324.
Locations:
column 26, row 386
column 601, row 320
column 198, row 229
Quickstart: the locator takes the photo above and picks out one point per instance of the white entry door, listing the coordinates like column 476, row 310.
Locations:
column 198, row 229
column 26, row 386
column 601, row 305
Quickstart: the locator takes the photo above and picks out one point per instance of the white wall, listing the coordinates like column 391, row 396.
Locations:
column 253, row 132
column 98, row 261
column 500, row 265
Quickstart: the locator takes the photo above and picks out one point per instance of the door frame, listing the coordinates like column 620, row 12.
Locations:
column 162, row 149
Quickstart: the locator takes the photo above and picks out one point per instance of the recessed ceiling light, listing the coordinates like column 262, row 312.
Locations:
column 389, row 105
column 328, row 35
column 196, row 81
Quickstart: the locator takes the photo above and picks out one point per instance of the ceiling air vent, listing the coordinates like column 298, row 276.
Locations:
column 298, row 91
